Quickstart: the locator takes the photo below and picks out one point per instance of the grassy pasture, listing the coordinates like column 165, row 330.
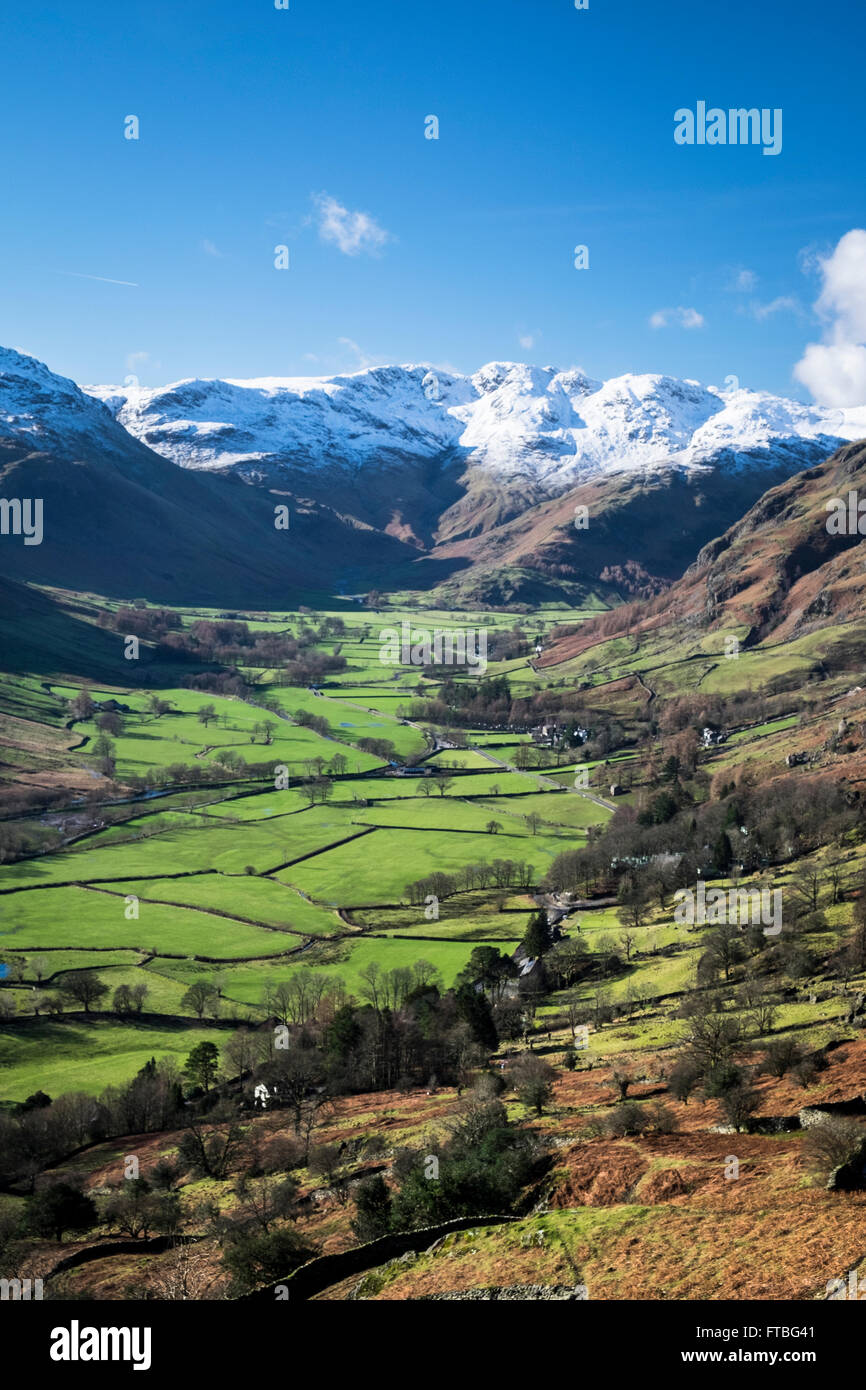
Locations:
column 190, row 845
column 78, row 918
column 88, row 1055
column 378, row 867
column 260, row 899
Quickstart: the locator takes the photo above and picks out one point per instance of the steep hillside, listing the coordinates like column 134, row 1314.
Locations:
column 43, row 635
column 782, row 571
column 628, row 535
column 122, row 520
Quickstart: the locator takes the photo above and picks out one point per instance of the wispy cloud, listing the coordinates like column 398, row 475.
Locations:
column 782, row 304
column 210, row 249
column 681, row 317
column 743, row 281
column 364, row 359
column 350, row 232
column 136, row 361
column 106, row 280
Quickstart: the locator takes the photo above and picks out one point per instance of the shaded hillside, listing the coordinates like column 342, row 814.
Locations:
column 127, row 523
column 777, row 573
column 49, row 634
column 39, row 635
column 641, row 533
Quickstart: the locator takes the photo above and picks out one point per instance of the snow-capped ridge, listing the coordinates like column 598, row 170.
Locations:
column 508, row 420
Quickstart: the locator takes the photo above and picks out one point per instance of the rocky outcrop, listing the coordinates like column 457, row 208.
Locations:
column 850, row 1176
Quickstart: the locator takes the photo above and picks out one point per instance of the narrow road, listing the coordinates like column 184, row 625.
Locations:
column 547, row 781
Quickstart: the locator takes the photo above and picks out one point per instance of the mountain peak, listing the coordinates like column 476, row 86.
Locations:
column 43, row 410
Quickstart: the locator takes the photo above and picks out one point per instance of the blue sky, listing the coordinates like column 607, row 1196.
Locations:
column 261, row 127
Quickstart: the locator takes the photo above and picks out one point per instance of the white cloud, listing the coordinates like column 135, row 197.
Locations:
column 835, row 370
column 834, row 373
column 743, row 281
column 211, row 250
column 682, row 317
column 843, row 296
column 136, row 362
column 527, row 340
column 351, row 232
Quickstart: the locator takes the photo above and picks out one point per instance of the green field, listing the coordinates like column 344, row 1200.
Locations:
column 231, row 877
column 241, row 883
column 88, row 1056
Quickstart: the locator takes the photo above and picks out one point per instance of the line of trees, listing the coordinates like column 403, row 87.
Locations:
column 500, row 873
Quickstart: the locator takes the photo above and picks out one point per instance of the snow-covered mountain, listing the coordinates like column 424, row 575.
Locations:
column 124, row 521
column 397, row 478
column 45, row 411
column 514, row 422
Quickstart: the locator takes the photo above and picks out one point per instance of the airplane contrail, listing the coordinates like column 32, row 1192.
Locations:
column 105, row 279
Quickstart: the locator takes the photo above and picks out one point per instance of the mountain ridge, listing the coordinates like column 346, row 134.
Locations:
column 472, row 497
column 510, row 420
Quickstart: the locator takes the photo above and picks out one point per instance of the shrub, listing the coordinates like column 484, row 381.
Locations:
column 253, row 1259
column 621, row 1081
column 282, row 1154
column 594, row 1129
column 723, row 1077
column 781, row 1057
column 483, row 1168
column 60, row 1208
column 662, row 1118
column 806, row 1071
column 739, row 1103
column 373, row 1208
column 533, row 1081
column 628, row 1118
column 684, row 1077
column 165, row 1174
column 830, row 1143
